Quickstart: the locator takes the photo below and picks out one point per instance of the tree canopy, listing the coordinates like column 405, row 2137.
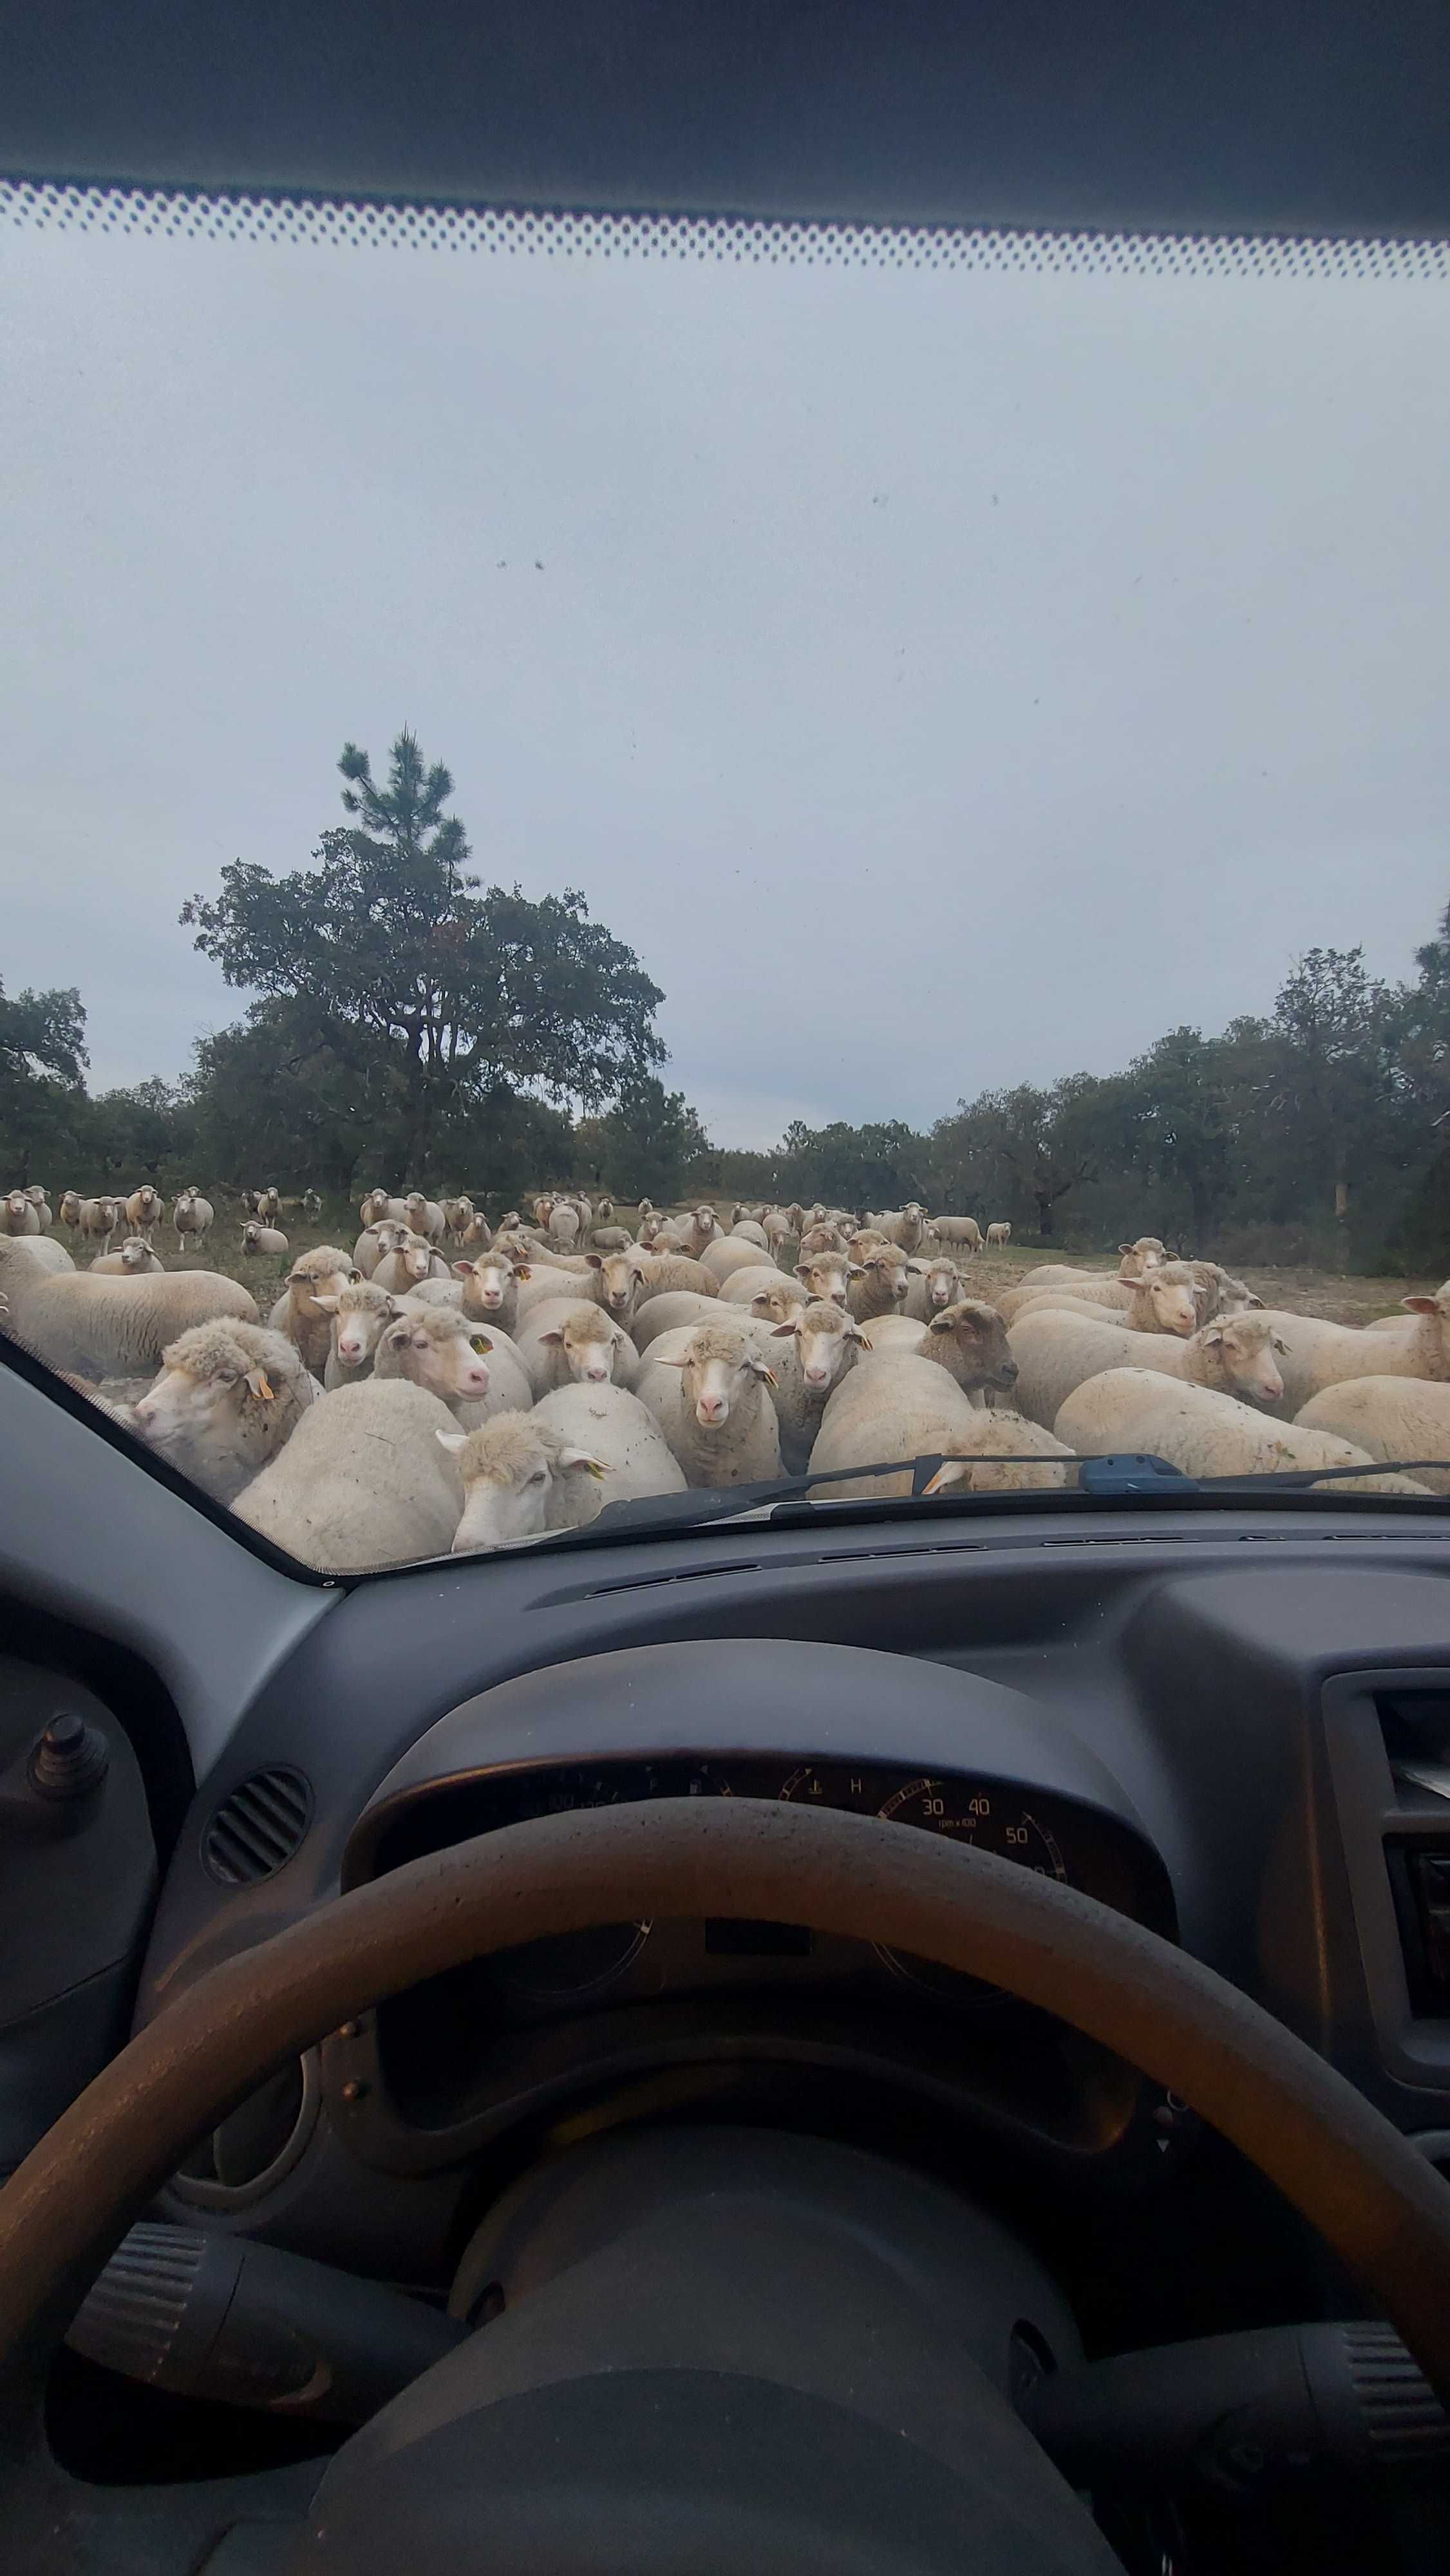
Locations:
column 416, row 1003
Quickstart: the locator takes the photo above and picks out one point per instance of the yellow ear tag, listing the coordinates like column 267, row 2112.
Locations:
column 265, row 1388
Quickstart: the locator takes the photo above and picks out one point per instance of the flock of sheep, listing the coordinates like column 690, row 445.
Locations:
column 402, row 1399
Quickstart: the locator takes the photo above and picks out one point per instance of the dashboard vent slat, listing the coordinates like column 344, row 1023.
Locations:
column 259, row 1826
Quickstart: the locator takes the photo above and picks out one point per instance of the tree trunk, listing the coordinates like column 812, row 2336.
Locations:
column 1046, row 1223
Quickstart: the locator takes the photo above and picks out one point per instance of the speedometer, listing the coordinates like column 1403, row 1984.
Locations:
column 989, row 1818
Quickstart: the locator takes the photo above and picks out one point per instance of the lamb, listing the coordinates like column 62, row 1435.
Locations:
column 412, row 1260
column 135, row 1260
column 107, row 1327
column 1389, row 1417
column 556, row 1468
column 362, row 1482
column 712, row 1402
column 934, row 1282
column 229, row 1396
column 191, row 1215
column 564, row 1343
column 878, row 1284
column 1205, row 1434
column 18, row 1215
column 491, row 1289
column 1056, row 1352
column 816, row 1351
column 323, row 1272
column 98, row 1220
column 1319, row 1355
column 728, row 1254
column 889, row 1409
column 999, row 1234
column 143, row 1210
column 258, row 1240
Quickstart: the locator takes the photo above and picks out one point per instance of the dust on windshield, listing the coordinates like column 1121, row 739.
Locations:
column 668, row 862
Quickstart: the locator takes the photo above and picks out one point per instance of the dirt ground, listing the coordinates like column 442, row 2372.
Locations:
column 1342, row 1299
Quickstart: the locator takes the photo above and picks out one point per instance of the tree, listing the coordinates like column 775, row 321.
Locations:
column 431, row 995
column 1334, row 1085
column 652, row 1136
column 1179, row 1124
column 1025, row 1146
column 42, row 1074
column 146, row 1128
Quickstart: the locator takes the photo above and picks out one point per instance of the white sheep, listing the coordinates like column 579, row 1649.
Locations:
column 1319, row 1354
column 18, row 1215
column 739, row 1286
column 999, row 1234
column 98, row 1220
column 728, row 1254
column 143, row 1210
column 878, row 1284
column 425, row 1216
column 412, row 1260
column 475, row 1373
column 38, row 1255
column 888, row 1409
column 1388, row 1417
column 810, row 1357
column 258, row 1240
column 457, row 1216
column 490, row 1286
column 992, row 1459
column 902, row 1226
column 70, row 1209
column 41, row 1205
column 325, row 1271
column 660, row 1272
column 747, row 1231
column 192, row 1216
column 1142, row 1414
column 563, row 1226
column 1164, row 1301
column 712, row 1402
column 1056, row 1352
column 374, row 1207
column 134, row 1260
column 362, row 1482
column 556, row 1468
column 778, row 1303
column 680, row 1311
column 610, row 1238
column 566, row 1343
column 230, row 1394
column 359, row 1312
column 958, row 1229
column 935, row 1282
column 108, row 1327
column 896, row 1336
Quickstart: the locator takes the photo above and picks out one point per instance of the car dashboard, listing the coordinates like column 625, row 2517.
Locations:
column 1226, row 1728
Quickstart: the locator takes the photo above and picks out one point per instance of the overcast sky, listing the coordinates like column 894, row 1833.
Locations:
column 940, row 679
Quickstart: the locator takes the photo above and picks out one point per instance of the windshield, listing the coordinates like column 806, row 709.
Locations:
column 659, row 861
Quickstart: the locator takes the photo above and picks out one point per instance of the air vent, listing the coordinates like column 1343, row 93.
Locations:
column 257, row 1828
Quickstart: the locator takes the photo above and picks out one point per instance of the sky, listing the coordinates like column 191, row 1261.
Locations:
column 942, row 679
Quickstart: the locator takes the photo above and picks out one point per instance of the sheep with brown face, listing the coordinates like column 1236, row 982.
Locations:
column 879, row 1283
column 326, row 1271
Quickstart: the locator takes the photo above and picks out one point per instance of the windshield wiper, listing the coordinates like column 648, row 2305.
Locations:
column 1100, row 1478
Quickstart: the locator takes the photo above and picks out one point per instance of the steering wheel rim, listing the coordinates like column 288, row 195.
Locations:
column 1381, row 2206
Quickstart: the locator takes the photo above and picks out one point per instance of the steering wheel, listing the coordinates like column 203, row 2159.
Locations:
column 1376, row 2201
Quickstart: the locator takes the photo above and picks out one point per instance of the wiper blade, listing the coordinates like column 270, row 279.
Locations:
column 1099, row 1478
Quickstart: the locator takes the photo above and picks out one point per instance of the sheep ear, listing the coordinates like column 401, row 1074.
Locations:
column 329, row 1305
column 553, row 1334
column 942, row 1323
column 1280, row 1346
column 952, row 1471
column 261, row 1384
column 394, row 1310
column 1212, row 1337
column 669, row 1363
column 595, row 1260
column 803, row 1272
column 1256, row 1305
column 864, row 1339
column 922, row 1266
column 463, row 1270
column 783, row 1332
column 522, row 1270
column 856, row 1270
column 580, row 1458
column 353, row 1277
column 761, row 1368
column 452, row 1441
column 1420, row 1305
